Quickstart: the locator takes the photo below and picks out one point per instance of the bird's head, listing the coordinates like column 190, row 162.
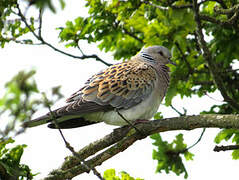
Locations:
column 156, row 54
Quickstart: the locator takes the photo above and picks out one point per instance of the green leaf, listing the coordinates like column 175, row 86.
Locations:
column 224, row 134
column 110, row 174
column 235, row 154
column 172, row 91
column 188, row 156
column 158, row 115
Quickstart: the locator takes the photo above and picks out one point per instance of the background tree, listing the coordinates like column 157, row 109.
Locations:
column 203, row 36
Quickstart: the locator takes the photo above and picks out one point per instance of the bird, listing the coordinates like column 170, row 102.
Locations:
column 124, row 92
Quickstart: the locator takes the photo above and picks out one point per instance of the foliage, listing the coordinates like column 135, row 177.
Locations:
column 125, row 26
column 13, row 29
column 168, row 155
column 10, row 166
column 110, row 174
column 17, row 102
column 21, row 100
column 46, row 4
column 229, row 134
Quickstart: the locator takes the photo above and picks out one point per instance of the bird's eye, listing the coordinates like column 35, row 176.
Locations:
column 161, row 53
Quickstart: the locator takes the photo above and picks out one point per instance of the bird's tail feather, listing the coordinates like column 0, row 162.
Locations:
column 64, row 122
column 37, row 122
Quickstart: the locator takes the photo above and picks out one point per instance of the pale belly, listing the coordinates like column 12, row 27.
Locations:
column 144, row 110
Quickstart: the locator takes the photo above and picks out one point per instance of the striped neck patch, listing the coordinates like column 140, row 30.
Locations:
column 147, row 57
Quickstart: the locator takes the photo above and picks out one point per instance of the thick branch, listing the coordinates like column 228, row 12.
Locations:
column 125, row 138
column 226, row 148
column 211, row 64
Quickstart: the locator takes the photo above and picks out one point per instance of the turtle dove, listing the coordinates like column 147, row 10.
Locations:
column 134, row 88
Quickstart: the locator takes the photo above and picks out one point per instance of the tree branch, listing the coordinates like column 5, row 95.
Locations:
column 177, row 111
column 211, row 64
column 123, row 137
column 43, row 42
column 229, row 11
column 225, row 148
column 132, row 35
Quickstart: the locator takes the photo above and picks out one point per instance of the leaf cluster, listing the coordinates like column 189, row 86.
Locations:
column 11, row 26
column 110, row 174
column 169, row 155
column 226, row 135
column 42, row 4
column 17, row 102
column 21, row 100
column 10, row 166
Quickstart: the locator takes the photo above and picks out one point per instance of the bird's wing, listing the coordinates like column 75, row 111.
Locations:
column 120, row 86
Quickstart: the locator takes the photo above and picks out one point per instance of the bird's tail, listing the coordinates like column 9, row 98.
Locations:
column 65, row 122
column 37, row 122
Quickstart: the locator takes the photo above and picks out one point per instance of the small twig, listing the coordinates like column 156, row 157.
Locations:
column 186, row 149
column 84, row 56
column 177, row 111
column 78, row 46
column 132, row 35
column 40, row 22
column 226, row 148
column 199, row 139
column 212, row 97
column 184, row 58
column 68, row 146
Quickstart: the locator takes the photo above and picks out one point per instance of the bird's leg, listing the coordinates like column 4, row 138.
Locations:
column 132, row 125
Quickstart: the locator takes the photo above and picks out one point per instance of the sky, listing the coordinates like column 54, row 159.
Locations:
column 46, row 149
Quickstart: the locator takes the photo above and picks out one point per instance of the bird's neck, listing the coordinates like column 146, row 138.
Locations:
column 146, row 58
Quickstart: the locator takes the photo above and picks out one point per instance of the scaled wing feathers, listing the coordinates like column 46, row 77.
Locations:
column 121, row 86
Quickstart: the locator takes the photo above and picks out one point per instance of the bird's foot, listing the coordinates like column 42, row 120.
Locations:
column 137, row 121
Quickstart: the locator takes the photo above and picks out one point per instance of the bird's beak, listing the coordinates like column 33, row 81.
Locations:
column 171, row 62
